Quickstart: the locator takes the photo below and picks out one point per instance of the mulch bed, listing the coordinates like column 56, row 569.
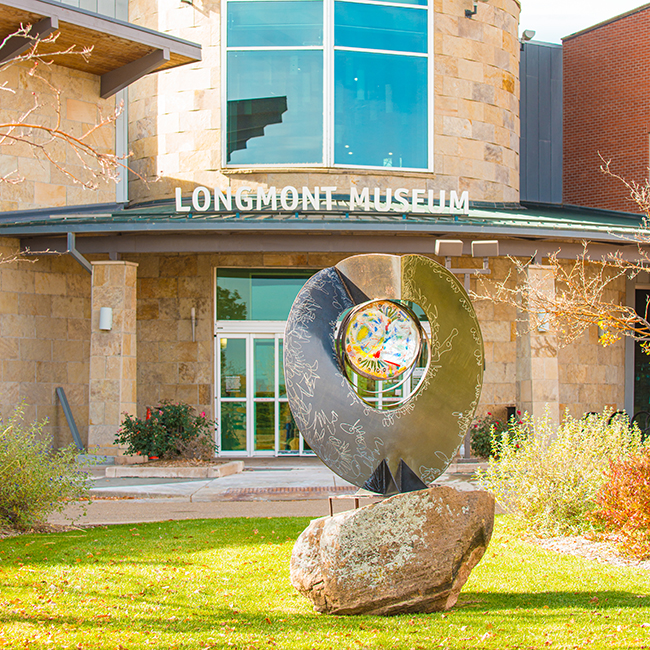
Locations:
column 41, row 528
column 600, row 550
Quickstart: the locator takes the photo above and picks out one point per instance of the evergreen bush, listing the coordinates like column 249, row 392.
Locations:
column 169, row 431
column 548, row 475
column 35, row 480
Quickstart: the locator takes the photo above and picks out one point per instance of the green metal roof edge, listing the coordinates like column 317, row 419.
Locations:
column 537, row 221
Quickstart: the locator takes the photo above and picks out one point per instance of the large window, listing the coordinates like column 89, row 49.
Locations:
column 328, row 82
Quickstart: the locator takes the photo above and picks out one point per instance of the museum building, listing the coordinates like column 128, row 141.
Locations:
column 270, row 139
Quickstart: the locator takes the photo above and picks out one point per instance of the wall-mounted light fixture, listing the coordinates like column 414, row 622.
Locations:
column 193, row 318
column 543, row 322
column 472, row 12
column 449, row 248
column 106, row 319
column 526, row 35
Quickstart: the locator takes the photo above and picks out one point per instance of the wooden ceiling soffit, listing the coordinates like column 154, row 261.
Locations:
column 122, row 52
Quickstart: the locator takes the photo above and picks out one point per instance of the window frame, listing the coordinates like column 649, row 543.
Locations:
column 328, row 48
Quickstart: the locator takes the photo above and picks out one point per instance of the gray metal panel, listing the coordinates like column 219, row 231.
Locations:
column 541, row 122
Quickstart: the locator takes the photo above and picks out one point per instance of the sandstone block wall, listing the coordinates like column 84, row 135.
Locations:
column 44, row 185
column 45, row 318
column 45, row 342
column 175, row 116
column 593, row 376
column 498, row 327
column 170, row 365
column 113, row 353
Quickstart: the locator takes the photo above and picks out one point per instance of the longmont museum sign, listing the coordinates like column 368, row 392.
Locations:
column 289, row 199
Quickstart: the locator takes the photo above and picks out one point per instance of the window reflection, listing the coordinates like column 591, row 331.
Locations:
column 294, row 75
column 379, row 27
column 256, row 294
column 380, row 110
column 275, row 23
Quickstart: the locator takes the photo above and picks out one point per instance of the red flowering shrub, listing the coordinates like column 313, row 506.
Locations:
column 487, row 434
column 169, row 430
column 623, row 503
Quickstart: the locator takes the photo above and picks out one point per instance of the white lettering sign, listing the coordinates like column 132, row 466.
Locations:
column 290, row 200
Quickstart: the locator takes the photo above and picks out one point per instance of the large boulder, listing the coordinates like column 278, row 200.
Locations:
column 410, row 553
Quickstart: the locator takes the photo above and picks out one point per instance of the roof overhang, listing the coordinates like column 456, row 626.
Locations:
column 122, row 52
column 158, row 226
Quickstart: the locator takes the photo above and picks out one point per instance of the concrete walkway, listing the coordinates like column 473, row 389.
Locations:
column 266, row 488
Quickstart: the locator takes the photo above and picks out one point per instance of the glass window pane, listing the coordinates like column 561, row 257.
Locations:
column 379, row 27
column 257, row 295
column 273, row 295
column 380, row 110
column 233, row 367
column 233, row 295
column 233, row 426
column 275, row 23
column 264, row 426
column 289, row 438
column 275, row 107
column 264, row 363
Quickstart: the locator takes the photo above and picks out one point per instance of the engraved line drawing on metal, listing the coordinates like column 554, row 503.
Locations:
column 358, row 410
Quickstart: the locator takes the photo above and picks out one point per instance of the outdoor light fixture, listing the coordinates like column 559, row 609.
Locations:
column 106, row 319
column 543, row 322
column 193, row 318
column 449, row 248
column 528, row 35
column 472, row 12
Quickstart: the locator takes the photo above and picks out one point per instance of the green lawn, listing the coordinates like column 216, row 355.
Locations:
column 224, row 584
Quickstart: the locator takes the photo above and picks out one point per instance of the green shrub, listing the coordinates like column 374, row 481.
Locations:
column 34, row 480
column 169, row 431
column 548, row 475
column 623, row 503
column 484, row 431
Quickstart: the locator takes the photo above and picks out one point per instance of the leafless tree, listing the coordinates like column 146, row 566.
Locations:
column 584, row 293
column 43, row 134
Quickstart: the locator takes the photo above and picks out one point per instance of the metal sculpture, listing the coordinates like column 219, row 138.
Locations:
column 353, row 324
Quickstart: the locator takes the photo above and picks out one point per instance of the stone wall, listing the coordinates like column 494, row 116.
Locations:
column 113, row 352
column 45, row 316
column 593, row 376
column 170, row 365
column 498, row 326
column 45, row 343
column 175, row 116
column 43, row 184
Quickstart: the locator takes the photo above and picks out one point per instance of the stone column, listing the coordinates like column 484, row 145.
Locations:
column 537, row 365
column 113, row 360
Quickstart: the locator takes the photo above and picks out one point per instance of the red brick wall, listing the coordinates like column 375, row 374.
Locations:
column 607, row 110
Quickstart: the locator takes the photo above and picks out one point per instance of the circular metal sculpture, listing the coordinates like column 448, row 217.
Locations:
column 381, row 339
column 351, row 320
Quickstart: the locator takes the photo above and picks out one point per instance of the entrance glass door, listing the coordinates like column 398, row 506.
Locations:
column 253, row 415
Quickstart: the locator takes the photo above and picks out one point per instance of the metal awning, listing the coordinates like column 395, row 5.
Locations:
column 122, row 52
column 536, row 222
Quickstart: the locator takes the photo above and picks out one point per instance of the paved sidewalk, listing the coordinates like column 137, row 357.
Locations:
column 266, row 488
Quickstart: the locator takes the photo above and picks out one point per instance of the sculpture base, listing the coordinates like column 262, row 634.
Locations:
column 410, row 553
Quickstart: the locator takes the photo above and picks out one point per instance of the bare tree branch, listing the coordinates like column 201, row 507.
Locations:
column 585, row 291
column 41, row 136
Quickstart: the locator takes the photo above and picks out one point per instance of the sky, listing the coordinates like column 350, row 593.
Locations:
column 553, row 19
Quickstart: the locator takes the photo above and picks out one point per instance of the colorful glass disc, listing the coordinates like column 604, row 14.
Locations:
column 382, row 340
